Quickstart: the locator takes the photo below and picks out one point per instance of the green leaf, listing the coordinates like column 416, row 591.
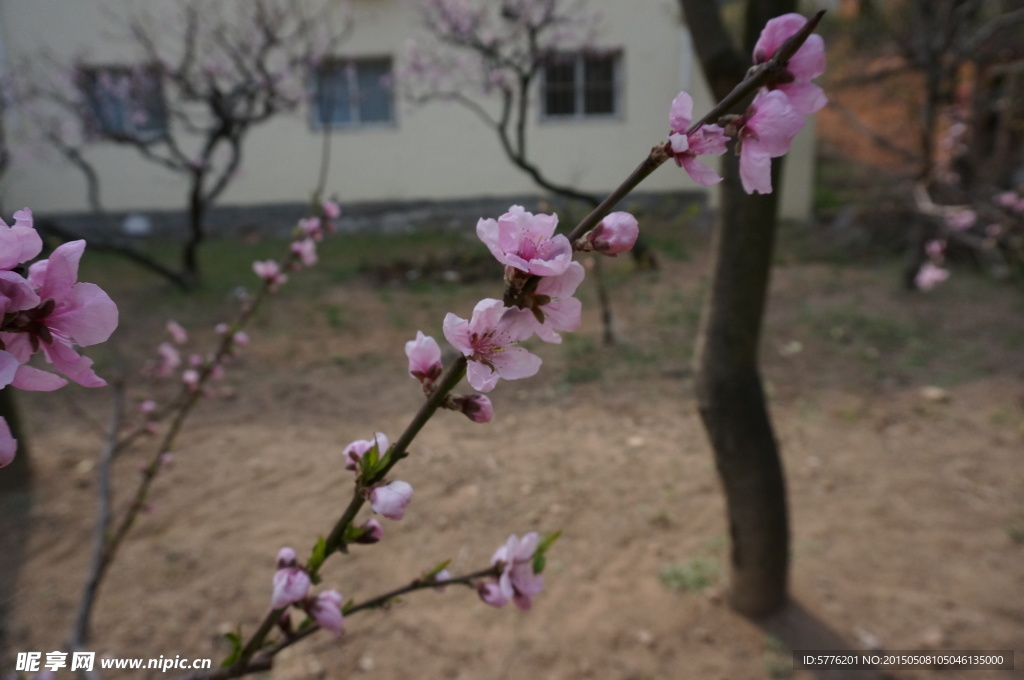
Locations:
column 539, row 562
column 236, row 649
column 548, row 541
column 437, row 570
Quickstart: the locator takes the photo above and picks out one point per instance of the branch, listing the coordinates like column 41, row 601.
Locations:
column 80, row 632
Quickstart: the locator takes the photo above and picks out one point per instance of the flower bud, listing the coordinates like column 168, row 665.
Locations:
column 370, row 532
column 615, row 234
column 326, row 611
column 392, row 499
column 476, row 407
column 290, row 585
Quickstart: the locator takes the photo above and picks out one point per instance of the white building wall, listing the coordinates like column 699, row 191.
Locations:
column 437, row 151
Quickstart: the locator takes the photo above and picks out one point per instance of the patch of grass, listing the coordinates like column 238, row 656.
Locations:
column 778, row 661
column 583, row 359
column 338, row 317
column 1015, row 529
column 694, row 575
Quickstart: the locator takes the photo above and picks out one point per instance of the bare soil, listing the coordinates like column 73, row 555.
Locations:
column 907, row 503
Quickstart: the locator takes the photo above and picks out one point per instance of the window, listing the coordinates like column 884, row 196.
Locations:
column 352, row 92
column 123, row 102
column 581, row 85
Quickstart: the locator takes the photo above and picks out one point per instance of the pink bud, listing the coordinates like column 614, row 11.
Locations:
column 326, row 611
column 241, row 338
column 331, row 210
column 290, row 585
column 147, row 407
column 221, row 328
column 391, row 500
column 424, row 358
column 615, row 234
column 178, row 334
column 372, row 532
column 440, row 578
column 286, row 557
column 476, row 407
column 191, row 378
column 355, row 451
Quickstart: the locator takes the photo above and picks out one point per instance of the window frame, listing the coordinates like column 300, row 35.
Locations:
column 97, row 126
column 340, row 64
column 579, row 60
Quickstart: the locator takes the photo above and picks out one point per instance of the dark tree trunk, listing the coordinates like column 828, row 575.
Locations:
column 729, row 391
column 16, row 477
column 731, row 398
column 196, row 231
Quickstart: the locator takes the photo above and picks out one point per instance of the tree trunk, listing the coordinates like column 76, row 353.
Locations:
column 731, row 399
column 16, row 477
column 196, row 231
column 729, row 391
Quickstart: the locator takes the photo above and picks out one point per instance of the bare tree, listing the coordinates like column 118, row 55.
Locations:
column 207, row 74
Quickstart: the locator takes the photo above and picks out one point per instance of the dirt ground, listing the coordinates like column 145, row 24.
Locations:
column 907, row 503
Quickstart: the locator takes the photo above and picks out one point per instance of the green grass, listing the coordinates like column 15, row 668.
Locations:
column 694, row 575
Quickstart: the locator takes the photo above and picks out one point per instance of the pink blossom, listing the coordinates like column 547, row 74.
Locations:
column 170, row 360
column 489, row 341
column 191, row 378
column 706, row 140
column 312, row 228
column 147, row 407
column 326, row 611
column 424, row 358
column 935, row 249
column 332, row 210
column 72, row 313
column 178, row 333
column 526, row 242
column 962, row 220
column 8, row 444
column 517, row 581
column 806, row 64
column 770, row 124
column 241, row 338
column 355, row 451
column 392, row 499
column 8, row 368
column 554, row 303
column 290, row 585
column 306, row 250
column 1007, row 199
column 929, row 276
column 17, row 295
column 490, row 592
column 19, row 243
column 270, row 272
column 615, row 234
column 476, row 407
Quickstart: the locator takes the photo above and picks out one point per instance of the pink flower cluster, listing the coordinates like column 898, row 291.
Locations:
column 291, row 586
column 48, row 312
column 518, row 581
column 767, row 128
